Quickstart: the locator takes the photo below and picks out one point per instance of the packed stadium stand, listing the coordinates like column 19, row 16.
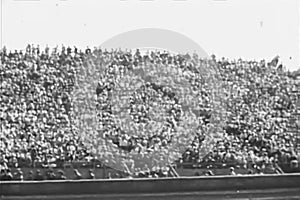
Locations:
column 43, row 90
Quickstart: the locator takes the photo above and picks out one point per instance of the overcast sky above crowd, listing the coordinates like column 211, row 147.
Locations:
column 252, row 29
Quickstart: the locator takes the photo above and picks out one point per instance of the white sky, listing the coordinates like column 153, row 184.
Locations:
column 234, row 28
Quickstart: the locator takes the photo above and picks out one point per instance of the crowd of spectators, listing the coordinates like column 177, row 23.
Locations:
column 38, row 175
column 260, row 128
column 40, row 125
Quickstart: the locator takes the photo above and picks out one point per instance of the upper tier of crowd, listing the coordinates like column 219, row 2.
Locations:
column 38, row 118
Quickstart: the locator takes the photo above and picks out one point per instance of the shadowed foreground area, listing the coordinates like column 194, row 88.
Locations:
column 218, row 187
column 284, row 194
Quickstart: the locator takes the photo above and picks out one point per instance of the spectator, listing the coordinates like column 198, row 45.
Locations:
column 18, row 175
column 77, row 174
column 109, row 176
column 231, row 171
column 8, row 176
column 2, row 175
column 50, row 175
column 38, row 176
column 30, row 176
column 258, row 170
column 91, row 174
column 61, row 175
column 209, row 173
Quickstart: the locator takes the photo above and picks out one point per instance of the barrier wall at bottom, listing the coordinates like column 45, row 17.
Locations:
column 162, row 185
